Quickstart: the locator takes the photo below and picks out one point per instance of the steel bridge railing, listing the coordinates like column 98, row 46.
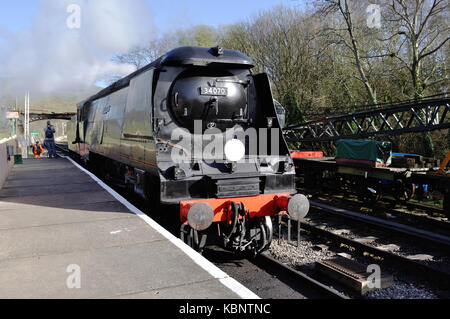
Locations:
column 426, row 115
column 34, row 117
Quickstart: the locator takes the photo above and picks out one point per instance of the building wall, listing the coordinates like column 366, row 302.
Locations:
column 5, row 164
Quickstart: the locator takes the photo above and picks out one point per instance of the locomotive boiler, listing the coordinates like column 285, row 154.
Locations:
column 198, row 129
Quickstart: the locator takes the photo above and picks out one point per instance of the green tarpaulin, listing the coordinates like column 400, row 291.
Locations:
column 365, row 150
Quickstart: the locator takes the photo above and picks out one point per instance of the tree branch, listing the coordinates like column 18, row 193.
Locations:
column 434, row 50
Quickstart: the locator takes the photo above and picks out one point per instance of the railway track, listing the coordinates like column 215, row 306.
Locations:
column 409, row 278
column 387, row 225
column 416, row 206
column 423, row 221
column 366, row 247
column 270, row 278
column 62, row 149
column 432, row 212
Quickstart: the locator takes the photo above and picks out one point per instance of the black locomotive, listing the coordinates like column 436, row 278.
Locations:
column 195, row 128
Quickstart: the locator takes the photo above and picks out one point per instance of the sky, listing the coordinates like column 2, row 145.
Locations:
column 16, row 15
column 42, row 50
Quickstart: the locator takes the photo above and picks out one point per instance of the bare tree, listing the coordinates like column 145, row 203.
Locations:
column 346, row 34
column 139, row 57
column 283, row 43
column 424, row 25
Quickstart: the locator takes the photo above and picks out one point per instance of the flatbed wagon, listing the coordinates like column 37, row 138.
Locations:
column 372, row 182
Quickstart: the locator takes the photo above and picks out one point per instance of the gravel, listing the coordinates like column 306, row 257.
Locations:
column 303, row 255
column 402, row 290
column 308, row 253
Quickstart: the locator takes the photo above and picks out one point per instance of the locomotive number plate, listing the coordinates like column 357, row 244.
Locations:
column 214, row 91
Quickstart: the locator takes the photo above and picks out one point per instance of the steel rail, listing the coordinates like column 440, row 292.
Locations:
column 397, row 227
column 264, row 260
column 384, row 200
column 412, row 266
column 423, row 220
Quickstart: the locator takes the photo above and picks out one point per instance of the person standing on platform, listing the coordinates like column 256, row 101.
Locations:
column 37, row 150
column 50, row 140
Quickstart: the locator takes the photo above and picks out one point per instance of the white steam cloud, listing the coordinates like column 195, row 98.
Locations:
column 55, row 55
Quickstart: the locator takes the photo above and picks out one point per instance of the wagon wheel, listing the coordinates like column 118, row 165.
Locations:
column 378, row 195
column 403, row 191
column 370, row 193
column 446, row 204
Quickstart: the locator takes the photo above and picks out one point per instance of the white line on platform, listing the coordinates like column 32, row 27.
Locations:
column 212, row 269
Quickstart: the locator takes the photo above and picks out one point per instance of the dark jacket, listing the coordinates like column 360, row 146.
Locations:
column 52, row 129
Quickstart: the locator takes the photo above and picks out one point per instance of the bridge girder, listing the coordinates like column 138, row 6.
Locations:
column 34, row 117
column 423, row 116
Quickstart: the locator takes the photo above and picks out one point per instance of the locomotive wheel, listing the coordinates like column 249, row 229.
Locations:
column 267, row 234
column 193, row 238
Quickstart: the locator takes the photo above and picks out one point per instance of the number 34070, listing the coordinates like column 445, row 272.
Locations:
column 214, row 91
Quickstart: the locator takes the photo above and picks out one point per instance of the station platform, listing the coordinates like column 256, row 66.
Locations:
column 66, row 235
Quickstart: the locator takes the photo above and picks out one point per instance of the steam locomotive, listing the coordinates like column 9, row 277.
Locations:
column 198, row 129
